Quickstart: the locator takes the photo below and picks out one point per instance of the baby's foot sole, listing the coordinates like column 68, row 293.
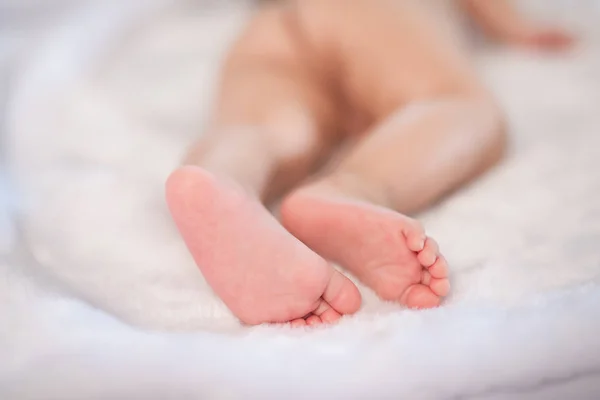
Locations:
column 260, row 271
column 386, row 250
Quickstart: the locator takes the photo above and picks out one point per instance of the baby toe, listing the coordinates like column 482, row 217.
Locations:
column 298, row 322
column 420, row 296
column 441, row 287
column 440, row 268
column 428, row 256
column 415, row 235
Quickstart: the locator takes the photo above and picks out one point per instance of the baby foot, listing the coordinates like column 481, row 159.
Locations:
column 552, row 39
column 259, row 270
column 386, row 250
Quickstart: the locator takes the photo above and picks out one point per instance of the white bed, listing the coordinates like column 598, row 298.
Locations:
column 100, row 300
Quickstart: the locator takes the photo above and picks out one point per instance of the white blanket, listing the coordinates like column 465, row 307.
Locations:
column 100, row 300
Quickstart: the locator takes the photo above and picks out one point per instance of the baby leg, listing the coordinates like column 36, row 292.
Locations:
column 269, row 117
column 408, row 161
column 435, row 129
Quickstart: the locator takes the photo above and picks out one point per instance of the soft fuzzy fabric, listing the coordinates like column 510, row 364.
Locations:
column 100, row 300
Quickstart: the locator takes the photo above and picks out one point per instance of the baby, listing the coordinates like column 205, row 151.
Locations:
column 378, row 83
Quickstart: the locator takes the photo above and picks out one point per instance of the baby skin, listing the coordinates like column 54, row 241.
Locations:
column 389, row 91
